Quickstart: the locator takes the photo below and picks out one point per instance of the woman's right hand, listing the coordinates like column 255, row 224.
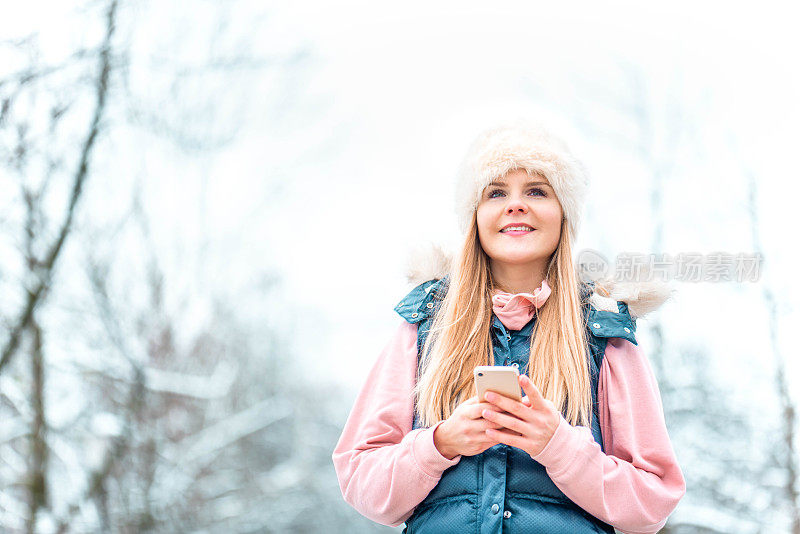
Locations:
column 464, row 432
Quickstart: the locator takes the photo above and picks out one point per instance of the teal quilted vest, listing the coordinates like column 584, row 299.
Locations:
column 503, row 489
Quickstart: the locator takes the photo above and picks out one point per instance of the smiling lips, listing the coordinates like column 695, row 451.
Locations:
column 517, row 229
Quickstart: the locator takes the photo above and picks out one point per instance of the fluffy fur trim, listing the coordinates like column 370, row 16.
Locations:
column 434, row 261
column 642, row 297
column 426, row 262
column 520, row 144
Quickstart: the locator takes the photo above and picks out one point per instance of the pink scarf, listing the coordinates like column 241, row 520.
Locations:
column 514, row 311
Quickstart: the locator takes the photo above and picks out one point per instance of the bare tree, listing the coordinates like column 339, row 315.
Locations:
column 44, row 267
column 43, row 242
column 218, row 433
column 151, row 423
column 787, row 455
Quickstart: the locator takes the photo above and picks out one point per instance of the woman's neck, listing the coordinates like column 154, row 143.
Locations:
column 517, row 279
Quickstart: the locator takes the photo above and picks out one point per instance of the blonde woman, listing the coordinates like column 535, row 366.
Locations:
column 587, row 448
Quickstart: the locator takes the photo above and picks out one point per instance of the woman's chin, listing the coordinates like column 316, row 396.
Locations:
column 519, row 259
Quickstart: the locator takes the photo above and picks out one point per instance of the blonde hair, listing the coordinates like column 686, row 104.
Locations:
column 460, row 339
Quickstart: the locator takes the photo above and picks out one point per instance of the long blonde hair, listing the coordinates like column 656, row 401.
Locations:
column 460, row 339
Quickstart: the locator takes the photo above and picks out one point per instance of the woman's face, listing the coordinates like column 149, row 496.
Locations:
column 519, row 199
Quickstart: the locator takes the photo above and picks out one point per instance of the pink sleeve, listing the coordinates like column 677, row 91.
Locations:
column 637, row 483
column 385, row 469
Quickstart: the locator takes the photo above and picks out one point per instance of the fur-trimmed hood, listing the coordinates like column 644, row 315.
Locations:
column 433, row 261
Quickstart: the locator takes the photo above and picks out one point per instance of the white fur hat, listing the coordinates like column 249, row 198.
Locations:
column 520, row 144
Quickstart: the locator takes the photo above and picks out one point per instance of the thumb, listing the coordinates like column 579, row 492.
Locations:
column 533, row 394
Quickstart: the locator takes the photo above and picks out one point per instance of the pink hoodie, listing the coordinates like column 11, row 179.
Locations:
column 386, row 469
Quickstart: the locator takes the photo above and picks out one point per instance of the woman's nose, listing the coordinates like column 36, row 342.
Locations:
column 516, row 205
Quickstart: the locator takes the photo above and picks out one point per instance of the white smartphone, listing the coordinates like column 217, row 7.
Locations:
column 498, row 378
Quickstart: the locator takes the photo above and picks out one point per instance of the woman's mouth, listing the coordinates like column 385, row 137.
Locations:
column 517, row 230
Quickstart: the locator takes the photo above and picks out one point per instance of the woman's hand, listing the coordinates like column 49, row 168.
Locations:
column 527, row 425
column 464, row 432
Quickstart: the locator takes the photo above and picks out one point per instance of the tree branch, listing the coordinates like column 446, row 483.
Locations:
column 37, row 294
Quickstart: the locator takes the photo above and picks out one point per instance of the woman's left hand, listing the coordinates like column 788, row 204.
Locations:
column 532, row 422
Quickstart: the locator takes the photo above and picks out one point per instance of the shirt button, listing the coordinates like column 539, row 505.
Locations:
column 515, row 364
column 596, row 325
column 506, row 514
column 429, row 305
column 628, row 330
column 495, row 508
column 508, row 336
column 414, row 314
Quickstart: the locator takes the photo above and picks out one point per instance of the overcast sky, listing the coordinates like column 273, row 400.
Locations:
column 343, row 162
column 409, row 87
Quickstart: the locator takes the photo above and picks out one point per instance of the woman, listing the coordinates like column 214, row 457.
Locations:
column 587, row 448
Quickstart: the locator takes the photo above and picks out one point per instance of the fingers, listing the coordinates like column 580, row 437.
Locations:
column 474, row 411
column 509, row 405
column 507, row 421
column 507, row 437
column 487, row 424
column 534, row 395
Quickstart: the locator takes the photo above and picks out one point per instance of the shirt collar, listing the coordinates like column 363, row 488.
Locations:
column 515, row 310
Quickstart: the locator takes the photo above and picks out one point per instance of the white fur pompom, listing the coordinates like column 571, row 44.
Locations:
column 642, row 297
column 426, row 262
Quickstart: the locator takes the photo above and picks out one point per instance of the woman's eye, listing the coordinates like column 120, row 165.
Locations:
column 536, row 191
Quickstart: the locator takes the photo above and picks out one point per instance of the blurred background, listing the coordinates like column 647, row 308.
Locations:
column 207, row 207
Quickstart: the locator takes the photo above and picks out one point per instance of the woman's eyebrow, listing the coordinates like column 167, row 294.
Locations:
column 503, row 184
